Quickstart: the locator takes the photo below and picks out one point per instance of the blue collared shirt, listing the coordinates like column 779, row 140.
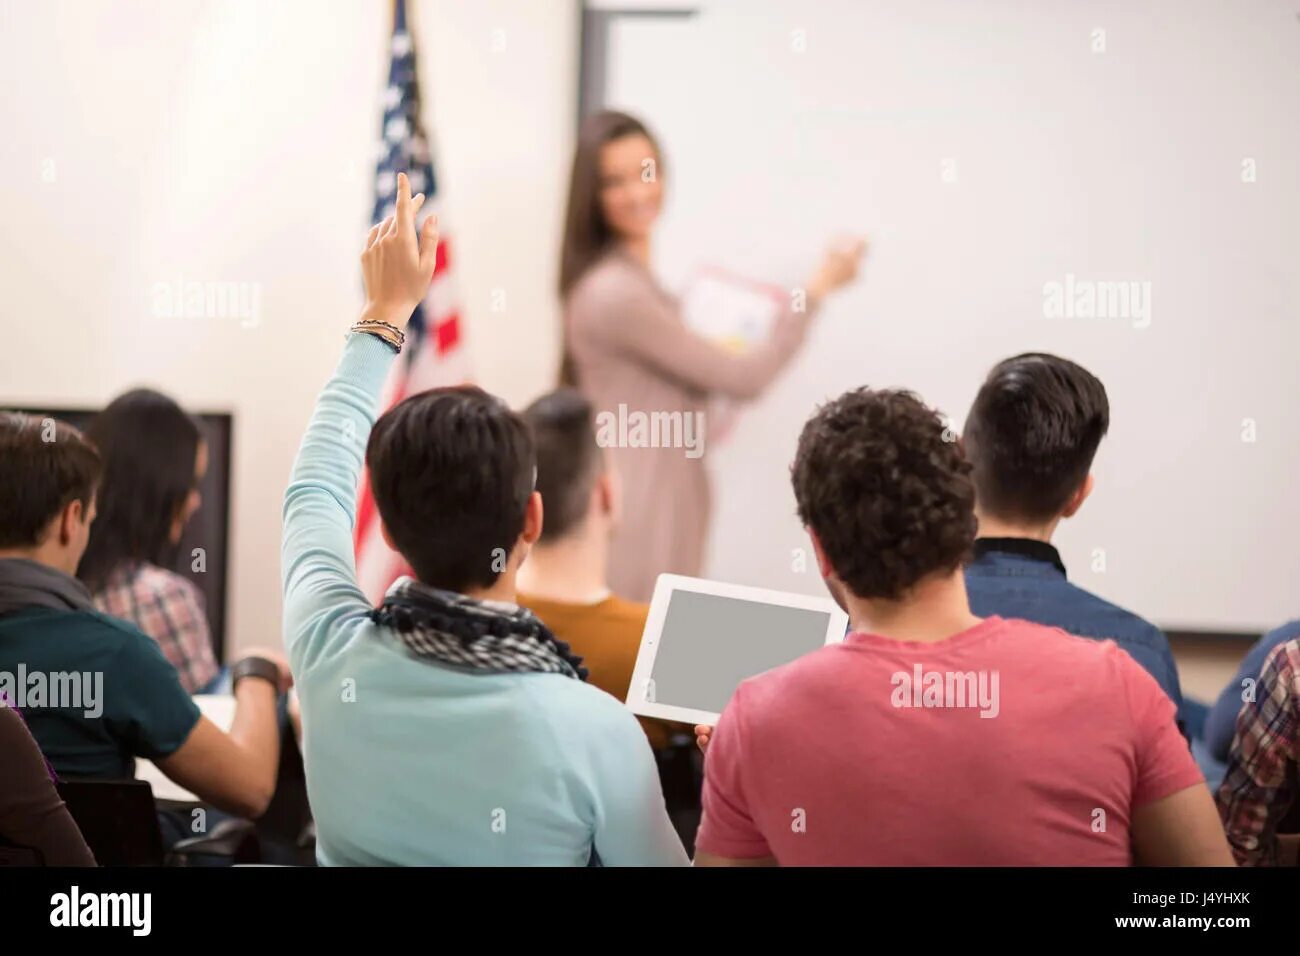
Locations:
column 1020, row 577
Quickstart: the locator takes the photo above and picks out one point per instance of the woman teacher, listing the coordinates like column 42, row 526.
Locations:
column 625, row 344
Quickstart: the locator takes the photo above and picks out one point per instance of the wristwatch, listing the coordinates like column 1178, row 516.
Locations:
column 255, row 667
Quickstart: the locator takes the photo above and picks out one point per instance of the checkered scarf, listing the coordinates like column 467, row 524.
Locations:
column 488, row 636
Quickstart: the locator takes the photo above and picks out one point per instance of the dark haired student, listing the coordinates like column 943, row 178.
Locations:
column 1031, row 436
column 154, row 459
column 625, row 344
column 934, row 736
column 564, row 580
column 118, row 698
column 448, row 726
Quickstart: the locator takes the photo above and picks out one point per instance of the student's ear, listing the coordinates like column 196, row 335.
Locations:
column 606, row 495
column 532, row 519
column 1078, row 498
column 531, row 531
column 70, row 523
column 823, row 563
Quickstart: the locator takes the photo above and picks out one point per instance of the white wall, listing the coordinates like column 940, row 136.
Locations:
column 785, row 121
column 160, row 140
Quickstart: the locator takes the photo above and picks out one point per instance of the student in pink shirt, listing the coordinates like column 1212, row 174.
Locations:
column 932, row 736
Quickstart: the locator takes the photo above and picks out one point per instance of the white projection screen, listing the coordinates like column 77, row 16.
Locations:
column 991, row 150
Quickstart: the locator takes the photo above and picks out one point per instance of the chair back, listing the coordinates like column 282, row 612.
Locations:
column 117, row 818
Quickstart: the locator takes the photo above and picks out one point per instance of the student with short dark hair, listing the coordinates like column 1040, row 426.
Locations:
column 128, row 701
column 932, row 736
column 448, row 726
column 1031, row 436
column 154, row 459
column 565, row 581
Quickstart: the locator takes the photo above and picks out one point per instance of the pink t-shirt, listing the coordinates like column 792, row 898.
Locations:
column 1007, row 744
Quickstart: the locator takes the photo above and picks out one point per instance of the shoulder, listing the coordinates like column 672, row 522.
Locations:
column 627, row 612
column 103, row 635
column 125, row 637
column 611, row 280
column 576, row 708
column 1289, row 631
column 1120, row 623
column 807, row 674
column 1282, row 666
column 22, row 753
column 153, row 581
column 104, row 628
column 13, row 730
column 1051, row 643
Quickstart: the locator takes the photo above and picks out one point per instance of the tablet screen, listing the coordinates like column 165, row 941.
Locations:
column 709, row 644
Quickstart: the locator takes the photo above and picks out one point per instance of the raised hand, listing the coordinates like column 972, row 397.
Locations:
column 397, row 264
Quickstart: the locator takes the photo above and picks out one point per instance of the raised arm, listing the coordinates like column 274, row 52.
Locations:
column 318, row 566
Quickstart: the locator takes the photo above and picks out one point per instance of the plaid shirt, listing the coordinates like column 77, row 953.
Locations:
column 1261, row 781
column 169, row 609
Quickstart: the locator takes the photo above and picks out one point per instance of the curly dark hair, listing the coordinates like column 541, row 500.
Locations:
column 887, row 490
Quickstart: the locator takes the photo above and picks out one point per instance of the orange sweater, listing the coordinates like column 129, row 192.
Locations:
column 607, row 635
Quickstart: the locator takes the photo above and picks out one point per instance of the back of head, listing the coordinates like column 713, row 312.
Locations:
column 889, row 499
column 568, row 459
column 451, row 470
column 1032, row 434
column 45, row 465
column 149, row 446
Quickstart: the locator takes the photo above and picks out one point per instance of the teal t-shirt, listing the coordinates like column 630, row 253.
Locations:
column 95, row 692
column 412, row 763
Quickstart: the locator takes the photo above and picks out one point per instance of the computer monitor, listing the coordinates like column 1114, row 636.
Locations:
column 209, row 529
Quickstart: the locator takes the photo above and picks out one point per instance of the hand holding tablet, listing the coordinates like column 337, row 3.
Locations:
column 702, row 734
column 702, row 638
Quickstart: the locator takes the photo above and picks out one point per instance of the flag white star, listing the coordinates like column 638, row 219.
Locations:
column 395, row 129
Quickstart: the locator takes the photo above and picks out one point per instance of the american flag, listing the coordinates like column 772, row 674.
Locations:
column 434, row 353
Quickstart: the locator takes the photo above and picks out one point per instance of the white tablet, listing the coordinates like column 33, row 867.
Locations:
column 702, row 638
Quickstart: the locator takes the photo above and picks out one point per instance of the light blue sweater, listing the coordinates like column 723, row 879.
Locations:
column 412, row 763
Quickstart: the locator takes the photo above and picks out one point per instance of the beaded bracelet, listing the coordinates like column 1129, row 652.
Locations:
column 386, row 333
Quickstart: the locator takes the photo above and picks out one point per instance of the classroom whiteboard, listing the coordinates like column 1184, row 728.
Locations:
column 999, row 155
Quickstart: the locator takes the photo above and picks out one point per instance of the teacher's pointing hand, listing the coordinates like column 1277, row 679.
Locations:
column 838, row 267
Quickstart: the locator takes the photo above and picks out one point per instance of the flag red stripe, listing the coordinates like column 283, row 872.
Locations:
column 447, row 333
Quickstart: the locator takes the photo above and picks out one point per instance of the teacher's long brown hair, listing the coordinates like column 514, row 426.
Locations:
column 586, row 234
